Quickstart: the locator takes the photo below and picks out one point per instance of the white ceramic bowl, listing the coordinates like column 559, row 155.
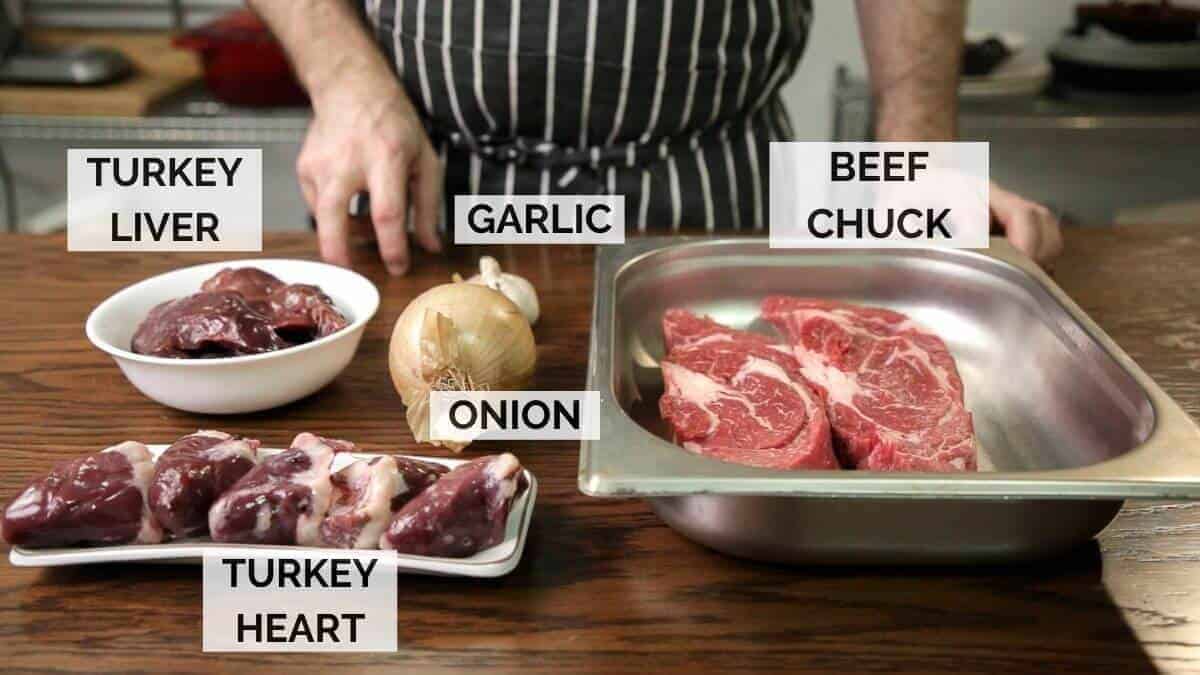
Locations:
column 239, row 384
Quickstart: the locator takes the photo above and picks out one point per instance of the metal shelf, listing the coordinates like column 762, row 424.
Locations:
column 153, row 129
column 189, row 117
column 1058, row 108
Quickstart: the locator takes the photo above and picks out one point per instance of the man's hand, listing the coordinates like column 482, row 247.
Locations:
column 368, row 137
column 914, row 54
column 365, row 134
column 1029, row 226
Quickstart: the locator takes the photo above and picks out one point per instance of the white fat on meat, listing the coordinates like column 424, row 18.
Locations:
column 842, row 387
column 703, row 391
column 320, row 452
column 141, row 461
column 845, row 389
column 362, row 503
column 503, row 470
column 229, row 447
column 769, row 369
column 699, row 389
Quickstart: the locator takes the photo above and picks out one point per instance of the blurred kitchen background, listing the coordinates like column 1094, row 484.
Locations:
column 1094, row 111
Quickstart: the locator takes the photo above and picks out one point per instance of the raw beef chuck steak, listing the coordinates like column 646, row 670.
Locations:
column 738, row 397
column 893, row 393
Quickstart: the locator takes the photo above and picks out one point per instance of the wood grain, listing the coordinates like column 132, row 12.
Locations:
column 604, row 586
column 159, row 71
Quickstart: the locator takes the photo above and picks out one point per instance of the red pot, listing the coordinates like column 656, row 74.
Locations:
column 243, row 63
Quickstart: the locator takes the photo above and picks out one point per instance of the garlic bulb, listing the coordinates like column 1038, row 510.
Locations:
column 515, row 288
column 458, row 337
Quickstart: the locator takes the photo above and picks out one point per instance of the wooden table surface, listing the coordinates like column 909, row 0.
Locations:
column 604, row 585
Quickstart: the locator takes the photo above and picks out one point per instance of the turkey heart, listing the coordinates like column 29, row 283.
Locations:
column 464, row 512
column 366, row 493
column 282, row 500
column 98, row 499
column 191, row 474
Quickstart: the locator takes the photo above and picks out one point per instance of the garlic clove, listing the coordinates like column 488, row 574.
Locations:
column 515, row 288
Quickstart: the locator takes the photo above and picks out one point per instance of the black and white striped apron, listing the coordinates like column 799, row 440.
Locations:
column 668, row 102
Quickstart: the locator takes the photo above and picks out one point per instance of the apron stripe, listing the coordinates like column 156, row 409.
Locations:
column 784, row 64
column 422, row 71
column 716, row 108
column 705, row 188
column 551, row 64
column 397, row 41
column 644, row 200
column 588, row 72
column 660, row 75
column 448, row 72
column 731, row 180
column 685, row 118
column 514, row 37
column 676, row 206
column 747, row 54
column 669, row 102
column 626, row 63
column 476, row 170
column 480, row 100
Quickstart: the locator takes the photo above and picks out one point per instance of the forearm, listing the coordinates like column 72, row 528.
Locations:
column 914, row 54
column 326, row 43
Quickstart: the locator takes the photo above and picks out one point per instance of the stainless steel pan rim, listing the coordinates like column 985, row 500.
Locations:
column 1165, row 465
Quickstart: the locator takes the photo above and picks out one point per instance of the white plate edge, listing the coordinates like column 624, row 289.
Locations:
column 194, row 551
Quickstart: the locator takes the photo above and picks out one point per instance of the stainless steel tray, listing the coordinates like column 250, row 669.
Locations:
column 1069, row 425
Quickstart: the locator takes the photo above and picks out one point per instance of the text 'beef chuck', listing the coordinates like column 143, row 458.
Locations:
column 98, row 499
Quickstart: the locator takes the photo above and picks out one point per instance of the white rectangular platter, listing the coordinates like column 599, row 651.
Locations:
column 492, row 562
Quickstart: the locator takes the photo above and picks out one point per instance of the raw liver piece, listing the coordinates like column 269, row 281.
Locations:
column 303, row 313
column 99, row 499
column 206, row 325
column 299, row 313
column 253, row 284
column 464, row 512
column 282, row 500
column 367, row 492
column 739, row 397
column 191, row 474
column 893, row 393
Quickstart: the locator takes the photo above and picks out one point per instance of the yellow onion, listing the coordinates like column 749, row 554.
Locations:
column 458, row 337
